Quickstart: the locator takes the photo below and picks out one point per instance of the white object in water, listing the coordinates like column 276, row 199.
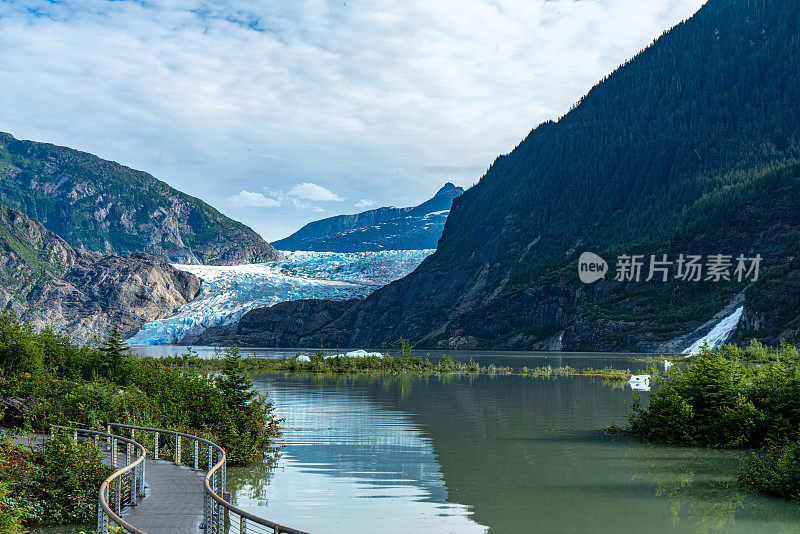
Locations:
column 667, row 365
column 303, row 358
column 363, row 354
column 356, row 354
column 640, row 382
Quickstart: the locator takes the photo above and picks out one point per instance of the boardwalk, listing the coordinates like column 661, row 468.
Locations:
column 173, row 501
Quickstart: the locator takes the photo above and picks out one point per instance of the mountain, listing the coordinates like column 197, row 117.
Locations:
column 47, row 282
column 106, row 207
column 691, row 147
column 413, row 228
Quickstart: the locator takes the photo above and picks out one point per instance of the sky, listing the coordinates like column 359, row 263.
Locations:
column 282, row 112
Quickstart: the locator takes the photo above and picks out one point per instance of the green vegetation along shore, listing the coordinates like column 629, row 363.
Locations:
column 733, row 397
column 45, row 379
column 387, row 364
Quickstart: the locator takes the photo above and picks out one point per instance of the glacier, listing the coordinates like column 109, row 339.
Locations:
column 717, row 336
column 228, row 292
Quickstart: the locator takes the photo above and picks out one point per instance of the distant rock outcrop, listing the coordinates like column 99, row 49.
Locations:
column 282, row 325
column 47, row 282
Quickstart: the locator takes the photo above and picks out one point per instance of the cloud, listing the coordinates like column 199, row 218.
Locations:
column 248, row 199
column 365, row 203
column 357, row 96
column 314, row 193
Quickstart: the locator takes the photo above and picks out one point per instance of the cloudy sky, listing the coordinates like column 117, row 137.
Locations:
column 282, row 112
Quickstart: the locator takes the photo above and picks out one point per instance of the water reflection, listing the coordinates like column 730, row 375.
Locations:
column 503, row 454
column 350, row 464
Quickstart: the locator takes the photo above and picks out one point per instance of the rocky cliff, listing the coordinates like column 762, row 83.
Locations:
column 106, row 207
column 47, row 282
column 286, row 324
column 387, row 228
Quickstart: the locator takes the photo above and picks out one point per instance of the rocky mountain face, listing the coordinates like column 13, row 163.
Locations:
column 283, row 325
column 106, row 207
column 79, row 293
column 689, row 148
column 388, row 228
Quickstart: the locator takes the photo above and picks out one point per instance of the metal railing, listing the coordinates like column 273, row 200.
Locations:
column 219, row 516
column 125, row 486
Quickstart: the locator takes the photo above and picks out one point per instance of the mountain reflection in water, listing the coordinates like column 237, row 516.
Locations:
column 501, row 454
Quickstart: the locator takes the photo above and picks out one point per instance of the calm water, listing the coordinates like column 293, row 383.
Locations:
column 501, row 454
column 485, row 454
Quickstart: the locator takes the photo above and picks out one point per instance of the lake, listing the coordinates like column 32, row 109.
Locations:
column 503, row 454
column 500, row 454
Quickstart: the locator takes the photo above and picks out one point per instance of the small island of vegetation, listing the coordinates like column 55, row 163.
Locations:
column 733, row 397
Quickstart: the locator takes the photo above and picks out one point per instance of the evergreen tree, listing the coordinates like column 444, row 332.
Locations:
column 236, row 387
column 114, row 351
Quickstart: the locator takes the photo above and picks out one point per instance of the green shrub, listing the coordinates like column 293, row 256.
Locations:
column 55, row 484
column 775, row 472
column 10, row 514
column 704, row 403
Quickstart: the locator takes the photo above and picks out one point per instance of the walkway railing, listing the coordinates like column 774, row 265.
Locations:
column 125, row 486
column 219, row 516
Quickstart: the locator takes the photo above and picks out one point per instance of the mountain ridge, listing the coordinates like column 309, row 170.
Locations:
column 79, row 293
column 101, row 205
column 386, row 228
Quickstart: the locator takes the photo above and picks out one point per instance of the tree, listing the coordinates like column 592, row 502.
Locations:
column 114, row 351
column 236, row 387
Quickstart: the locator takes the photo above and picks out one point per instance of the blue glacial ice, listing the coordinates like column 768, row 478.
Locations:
column 228, row 292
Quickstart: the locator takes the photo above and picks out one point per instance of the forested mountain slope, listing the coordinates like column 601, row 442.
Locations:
column 687, row 148
column 106, row 207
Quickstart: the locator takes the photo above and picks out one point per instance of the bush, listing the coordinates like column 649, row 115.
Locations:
column 733, row 397
column 776, row 472
column 705, row 403
column 55, row 484
column 10, row 515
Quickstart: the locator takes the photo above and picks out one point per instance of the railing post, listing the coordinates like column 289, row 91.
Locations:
column 113, row 451
column 210, row 458
column 196, row 454
column 105, row 515
column 223, row 480
column 141, row 473
column 75, row 436
column 155, row 447
column 242, row 525
column 133, row 476
column 177, row 449
column 205, row 510
column 108, row 431
column 118, row 501
column 100, row 514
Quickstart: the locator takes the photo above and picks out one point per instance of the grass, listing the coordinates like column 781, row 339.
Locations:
column 387, row 365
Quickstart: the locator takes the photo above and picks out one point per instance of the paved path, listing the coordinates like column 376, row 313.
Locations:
column 173, row 501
